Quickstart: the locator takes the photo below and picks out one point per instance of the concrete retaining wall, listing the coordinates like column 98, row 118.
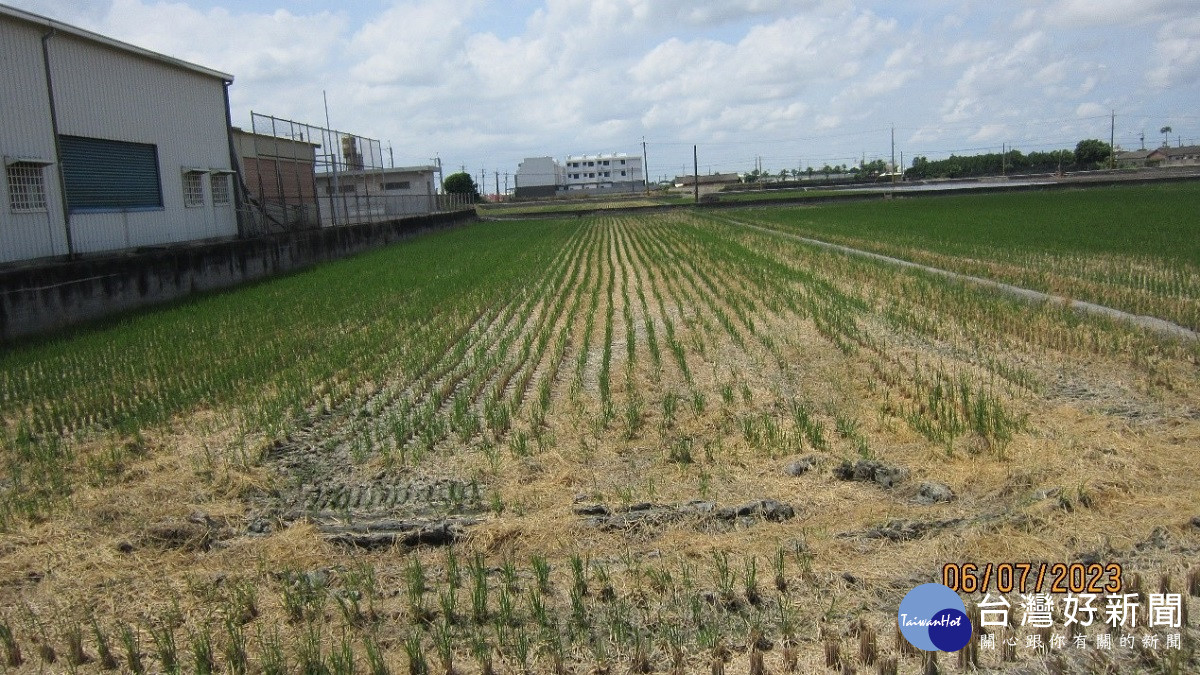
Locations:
column 46, row 298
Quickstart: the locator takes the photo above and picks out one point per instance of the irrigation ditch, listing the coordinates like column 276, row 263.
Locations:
column 1151, row 323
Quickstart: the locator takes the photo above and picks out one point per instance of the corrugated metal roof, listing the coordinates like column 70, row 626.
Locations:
column 38, row 20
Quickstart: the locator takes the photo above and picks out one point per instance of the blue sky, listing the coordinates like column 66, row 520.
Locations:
column 484, row 83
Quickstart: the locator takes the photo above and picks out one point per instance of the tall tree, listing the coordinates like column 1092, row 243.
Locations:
column 461, row 183
column 1090, row 152
column 1165, row 131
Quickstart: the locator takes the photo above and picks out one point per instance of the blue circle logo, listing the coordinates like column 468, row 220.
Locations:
column 933, row 618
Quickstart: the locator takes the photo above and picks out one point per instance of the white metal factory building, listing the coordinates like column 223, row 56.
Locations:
column 107, row 146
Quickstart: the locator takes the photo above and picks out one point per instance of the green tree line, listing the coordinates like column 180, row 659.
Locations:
column 1088, row 154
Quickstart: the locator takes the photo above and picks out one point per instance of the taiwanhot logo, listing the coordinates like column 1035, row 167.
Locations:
column 933, row 618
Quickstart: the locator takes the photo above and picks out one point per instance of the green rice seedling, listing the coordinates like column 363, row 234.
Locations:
column 73, row 636
column 203, row 657
column 727, row 394
column 376, row 663
column 235, row 648
column 698, row 403
column 633, row 416
column 750, row 582
column 680, row 450
column 415, row 651
column 579, row 612
column 448, row 604
column 505, row 612
column 537, row 607
column 846, row 426
column 341, row 656
column 705, row 481
column 303, row 595
column 12, row 649
column 508, row 575
column 604, row 581
column 415, row 587
column 670, row 403
column 479, row 591
column 779, row 563
column 481, row 651
column 661, row 581
column 310, row 655
column 552, row 648
column 541, row 573
column 131, row 643
column 518, row 444
column 242, row 601
column 578, row 577
column 165, row 649
column 443, row 641
column 724, row 579
column 813, row 431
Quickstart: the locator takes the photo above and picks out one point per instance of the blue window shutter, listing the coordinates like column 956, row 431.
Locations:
column 108, row 175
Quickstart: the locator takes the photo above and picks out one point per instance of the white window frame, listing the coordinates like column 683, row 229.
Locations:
column 26, row 181
column 220, row 177
column 193, row 179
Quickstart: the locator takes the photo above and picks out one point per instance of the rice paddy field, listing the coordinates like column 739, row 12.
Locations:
column 678, row 442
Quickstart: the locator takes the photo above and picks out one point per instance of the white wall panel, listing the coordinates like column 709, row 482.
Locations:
column 25, row 131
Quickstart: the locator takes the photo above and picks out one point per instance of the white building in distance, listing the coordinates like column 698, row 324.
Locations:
column 580, row 174
column 617, row 172
column 107, row 146
column 376, row 195
column 540, row 177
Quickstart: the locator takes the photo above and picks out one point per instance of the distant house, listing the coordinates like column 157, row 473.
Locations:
column 105, row 145
column 1140, row 158
column 1185, row 155
column 374, row 195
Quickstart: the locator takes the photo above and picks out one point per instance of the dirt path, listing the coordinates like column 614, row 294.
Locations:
column 1149, row 322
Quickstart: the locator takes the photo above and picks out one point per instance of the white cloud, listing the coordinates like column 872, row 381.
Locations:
column 816, row 78
column 1177, row 54
column 1116, row 13
column 411, row 43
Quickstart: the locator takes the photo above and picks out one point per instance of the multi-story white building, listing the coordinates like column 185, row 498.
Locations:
column 616, row 172
column 546, row 177
column 105, row 145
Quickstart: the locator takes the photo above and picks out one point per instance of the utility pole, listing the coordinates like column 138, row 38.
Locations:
column 1003, row 160
column 645, row 166
column 893, row 154
column 1142, row 138
column 497, row 186
column 696, row 173
column 505, row 184
column 1112, row 141
column 391, row 156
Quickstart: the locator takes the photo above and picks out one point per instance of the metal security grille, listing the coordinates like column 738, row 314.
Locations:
column 26, row 186
column 104, row 175
column 220, row 189
column 193, row 188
